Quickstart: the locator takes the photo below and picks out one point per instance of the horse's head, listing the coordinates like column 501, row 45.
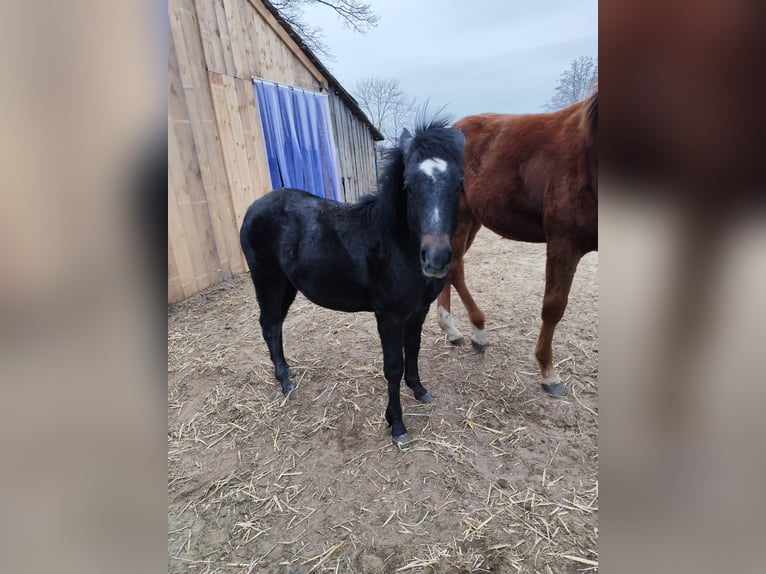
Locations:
column 433, row 175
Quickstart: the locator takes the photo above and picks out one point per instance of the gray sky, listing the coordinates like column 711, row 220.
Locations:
column 472, row 56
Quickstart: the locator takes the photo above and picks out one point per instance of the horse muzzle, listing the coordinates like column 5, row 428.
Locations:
column 435, row 255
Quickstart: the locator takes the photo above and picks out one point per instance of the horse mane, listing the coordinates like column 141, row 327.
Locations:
column 589, row 118
column 432, row 136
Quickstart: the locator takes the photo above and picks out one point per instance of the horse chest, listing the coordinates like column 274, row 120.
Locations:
column 401, row 285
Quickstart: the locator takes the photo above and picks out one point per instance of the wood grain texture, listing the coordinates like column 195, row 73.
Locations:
column 217, row 163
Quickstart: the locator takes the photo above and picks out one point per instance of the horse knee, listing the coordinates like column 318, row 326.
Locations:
column 393, row 374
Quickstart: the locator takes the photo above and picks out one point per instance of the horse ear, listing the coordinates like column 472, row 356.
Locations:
column 405, row 140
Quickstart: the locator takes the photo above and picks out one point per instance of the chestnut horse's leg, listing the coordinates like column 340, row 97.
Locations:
column 443, row 314
column 466, row 231
column 560, row 268
column 443, row 307
column 475, row 315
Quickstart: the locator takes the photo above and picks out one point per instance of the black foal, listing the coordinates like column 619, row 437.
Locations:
column 389, row 254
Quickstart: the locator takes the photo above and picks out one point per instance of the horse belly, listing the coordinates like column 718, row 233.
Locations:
column 325, row 283
column 515, row 225
column 339, row 297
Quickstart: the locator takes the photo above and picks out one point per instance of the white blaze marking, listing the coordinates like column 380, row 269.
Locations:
column 479, row 337
column 435, row 217
column 446, row 323
column 434, row 164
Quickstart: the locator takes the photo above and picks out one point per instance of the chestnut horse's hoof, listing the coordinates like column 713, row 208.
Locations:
column 556, row 389
column 478, row 347
column 459, row 342
column 402, row 441
column 426, row 399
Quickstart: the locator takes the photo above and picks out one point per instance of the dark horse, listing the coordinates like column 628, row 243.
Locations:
column 389, row 254
column 531, row 177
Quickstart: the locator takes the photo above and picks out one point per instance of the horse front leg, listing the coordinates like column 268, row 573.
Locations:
column 444, row 317
column 560, row 265
column 392, row 340
column 412, row 335
column 465, row 232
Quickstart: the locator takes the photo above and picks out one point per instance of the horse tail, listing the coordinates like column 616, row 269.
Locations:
column 244, row 239
column 589, row 118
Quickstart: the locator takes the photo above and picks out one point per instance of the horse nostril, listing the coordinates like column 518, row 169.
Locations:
column 423, row 255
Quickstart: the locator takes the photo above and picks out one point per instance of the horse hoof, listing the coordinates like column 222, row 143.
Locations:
column 290, row 393
column 459, row 342
column 555, row 389
column 426, row 399
column 478, row 347
column 401, row 441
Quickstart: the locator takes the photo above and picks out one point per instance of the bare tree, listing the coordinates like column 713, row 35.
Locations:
column 575, row 83
column 384, row 102
column 353, row 13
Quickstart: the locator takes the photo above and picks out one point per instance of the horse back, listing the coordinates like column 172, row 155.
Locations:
column 527, row 175
column 321, row 246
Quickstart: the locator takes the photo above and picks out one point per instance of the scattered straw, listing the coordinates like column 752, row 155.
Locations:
column 499, row 478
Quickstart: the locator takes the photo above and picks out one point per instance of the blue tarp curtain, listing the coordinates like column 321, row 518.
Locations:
column 298, row 135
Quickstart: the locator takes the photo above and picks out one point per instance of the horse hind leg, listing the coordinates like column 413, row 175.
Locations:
column 560, row 266
column 287, row 301
column 275, row 295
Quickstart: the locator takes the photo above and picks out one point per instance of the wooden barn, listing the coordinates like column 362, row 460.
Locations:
column 250, row 108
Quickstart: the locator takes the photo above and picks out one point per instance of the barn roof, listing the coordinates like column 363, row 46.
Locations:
column 333, row 82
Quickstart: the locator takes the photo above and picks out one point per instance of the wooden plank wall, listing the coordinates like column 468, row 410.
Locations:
column 216, row 156
column 356, row 152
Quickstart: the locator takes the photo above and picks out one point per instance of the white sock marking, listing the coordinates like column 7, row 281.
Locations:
column 447, row 324
column 434, row 164
column 479, row 337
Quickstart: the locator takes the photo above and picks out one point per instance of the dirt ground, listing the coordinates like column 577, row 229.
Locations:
column 500, row 478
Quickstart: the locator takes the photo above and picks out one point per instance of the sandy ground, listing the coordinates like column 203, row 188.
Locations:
column 501, row 477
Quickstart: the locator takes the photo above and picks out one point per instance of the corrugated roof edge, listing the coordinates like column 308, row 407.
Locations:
column 334, row 83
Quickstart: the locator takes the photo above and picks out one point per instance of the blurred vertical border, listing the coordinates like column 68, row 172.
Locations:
column 682, row 282
column 82, row 360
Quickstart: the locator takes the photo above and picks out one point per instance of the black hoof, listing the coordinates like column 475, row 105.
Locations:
column 459, row 342
column 477, row 347
column 290, row 393
column 402, row 441
column 555, row 389
column 426, row 398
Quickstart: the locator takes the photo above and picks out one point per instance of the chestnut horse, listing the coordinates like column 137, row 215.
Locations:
column 531, row 177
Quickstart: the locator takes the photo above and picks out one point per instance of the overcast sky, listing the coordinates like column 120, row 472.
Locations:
column 472, row 56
